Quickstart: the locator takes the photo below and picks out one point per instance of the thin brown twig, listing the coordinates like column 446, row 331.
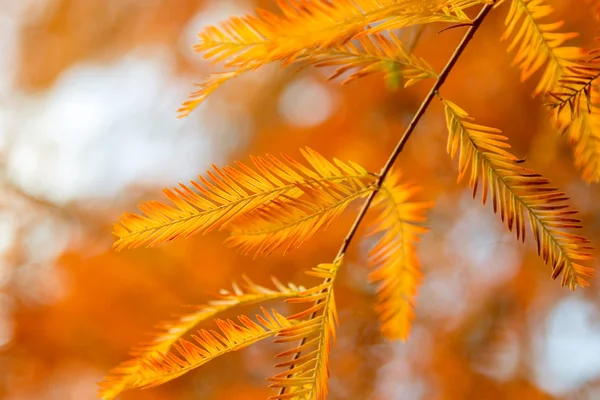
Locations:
column 402, row 142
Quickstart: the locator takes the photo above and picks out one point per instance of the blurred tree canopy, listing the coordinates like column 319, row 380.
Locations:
column 88, row 129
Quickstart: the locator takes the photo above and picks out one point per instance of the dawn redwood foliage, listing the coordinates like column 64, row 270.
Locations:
column 278, row 203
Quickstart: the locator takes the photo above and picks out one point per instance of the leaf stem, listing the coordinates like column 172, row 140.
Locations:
column 402, row 142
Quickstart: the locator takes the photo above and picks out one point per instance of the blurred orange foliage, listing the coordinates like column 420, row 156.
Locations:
column 489, row 321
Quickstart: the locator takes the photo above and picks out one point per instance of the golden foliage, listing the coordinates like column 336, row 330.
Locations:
column 307, row 372
column 279, row 203
column 578, row 90
column 371, row 55
column 576, row 85
column 249, row 293
column 309, row 25
column 518, row 194
column 573, row 88
column 538, row 44
column 55, row 333
column 311, row 29
column 206, row 88
column 129, row 372
column 233, row 194
column 583, row 131
column 393, row 259
column 289, row 222
column 566, row 79
column 207, row 345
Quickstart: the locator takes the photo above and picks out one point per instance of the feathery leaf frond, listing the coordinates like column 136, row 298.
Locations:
column 370, row 55
column 248, row 293
column 577, row 84
column 309, row 25
column 206, row 88
column 171, row 332
column 307, row 28
column 519, row 194
column 206, row 346
column 289, row 222
column 230, row 193
column 306, row 375
column 573, row 89
column 581, row 118
column 538, row 44
column 394, row 259
column 566, row 78
column 584, row 135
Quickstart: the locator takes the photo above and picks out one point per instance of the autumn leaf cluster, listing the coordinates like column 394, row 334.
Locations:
column 278, row 203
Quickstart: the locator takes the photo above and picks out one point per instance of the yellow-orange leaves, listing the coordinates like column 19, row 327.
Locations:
column 583, row 132
column 310, row 29
column 309, row 25
column 307, row 372
column 519, row 195
column 278, row 197
column 538, row 44
column 289, row 222
column 374, row 54
column 206, row 346
column 279, row 203
column 393, row 259
column 577, row 112
column 129, row 372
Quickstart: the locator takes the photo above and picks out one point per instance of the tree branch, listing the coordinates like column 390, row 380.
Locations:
column 402, row 142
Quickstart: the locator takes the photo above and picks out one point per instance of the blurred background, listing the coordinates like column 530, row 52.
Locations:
column 88, row 96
